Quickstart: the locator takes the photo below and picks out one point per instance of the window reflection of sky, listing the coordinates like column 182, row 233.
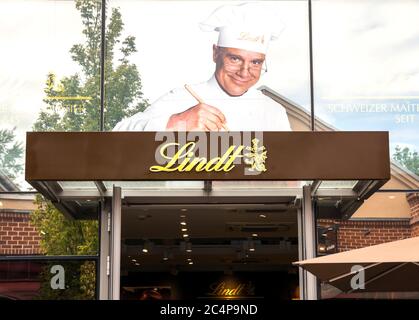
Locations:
column 361, row 49
column 364, row 57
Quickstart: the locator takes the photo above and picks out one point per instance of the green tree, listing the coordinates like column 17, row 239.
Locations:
column 11, row 152
column 62, row 236
column 73, row 104
column 408, row 159
column 79, row 280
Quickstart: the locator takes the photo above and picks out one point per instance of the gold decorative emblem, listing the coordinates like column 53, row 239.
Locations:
column 256, row 157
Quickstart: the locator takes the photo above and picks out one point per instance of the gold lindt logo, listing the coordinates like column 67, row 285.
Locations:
column 184, row 160
column 222, row 289
column 247, row 36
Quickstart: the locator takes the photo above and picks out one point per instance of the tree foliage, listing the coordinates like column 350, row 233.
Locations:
column 11, row 153
column 408, row 159
column 62, row 236
column 80, row 279
column 73, row 104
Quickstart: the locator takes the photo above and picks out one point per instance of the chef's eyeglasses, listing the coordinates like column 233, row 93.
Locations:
column 235, row 63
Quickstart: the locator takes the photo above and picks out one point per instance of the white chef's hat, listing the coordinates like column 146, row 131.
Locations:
column 249, row 26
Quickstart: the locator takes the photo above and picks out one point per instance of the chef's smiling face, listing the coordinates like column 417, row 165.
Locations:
column 237, row 70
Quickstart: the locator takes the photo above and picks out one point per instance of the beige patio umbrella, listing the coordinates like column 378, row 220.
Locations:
column 392, row 266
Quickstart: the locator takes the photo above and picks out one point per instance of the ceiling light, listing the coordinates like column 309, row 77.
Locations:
column 188, row 247
column 165, row 255
column 254, row 235
column 262, row 215
column 183, row 223
column 190, row 262
column 137, row 264
column 183, row 209
column 184, row 229
column 133, row 260
column 147, row 246
column 186, row 235
column 251, row 246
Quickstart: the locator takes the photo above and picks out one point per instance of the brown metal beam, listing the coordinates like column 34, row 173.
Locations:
column 92, row 156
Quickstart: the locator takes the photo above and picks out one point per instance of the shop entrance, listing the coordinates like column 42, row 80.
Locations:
column 243, row 230
column 199, row 251
column 198, row 240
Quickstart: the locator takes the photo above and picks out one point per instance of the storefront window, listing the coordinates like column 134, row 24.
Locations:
column 208, row 251
column 49, row 82
column 365, row 70
column 365, row 78
column 163, row 48
column 363, row 57
column 48, row 279
column 50, row 75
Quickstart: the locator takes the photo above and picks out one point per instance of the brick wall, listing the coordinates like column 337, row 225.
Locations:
column 354, row 234
column 413, row 199
column 17, row 235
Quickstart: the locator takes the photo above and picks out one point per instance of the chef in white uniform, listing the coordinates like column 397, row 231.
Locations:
column 229, row 100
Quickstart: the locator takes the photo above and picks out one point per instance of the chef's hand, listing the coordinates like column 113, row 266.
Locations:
column 201, row 117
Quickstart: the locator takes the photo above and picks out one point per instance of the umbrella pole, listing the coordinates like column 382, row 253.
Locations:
column 352, row 272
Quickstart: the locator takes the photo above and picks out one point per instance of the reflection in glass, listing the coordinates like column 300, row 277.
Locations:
column 338, row 184
column 77, row 185
column 43, row 279
column 58, row 88
column 353, row 90
column 220, row 185
column 188, row 58
column 155, row 184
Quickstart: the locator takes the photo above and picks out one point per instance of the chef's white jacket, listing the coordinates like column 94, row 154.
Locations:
column 252, row 111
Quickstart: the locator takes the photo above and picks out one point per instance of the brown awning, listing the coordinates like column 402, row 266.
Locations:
column 392, row 266
column 76, row 170
column 129, row 156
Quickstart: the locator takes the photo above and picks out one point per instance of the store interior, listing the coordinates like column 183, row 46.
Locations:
column 198, row 251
